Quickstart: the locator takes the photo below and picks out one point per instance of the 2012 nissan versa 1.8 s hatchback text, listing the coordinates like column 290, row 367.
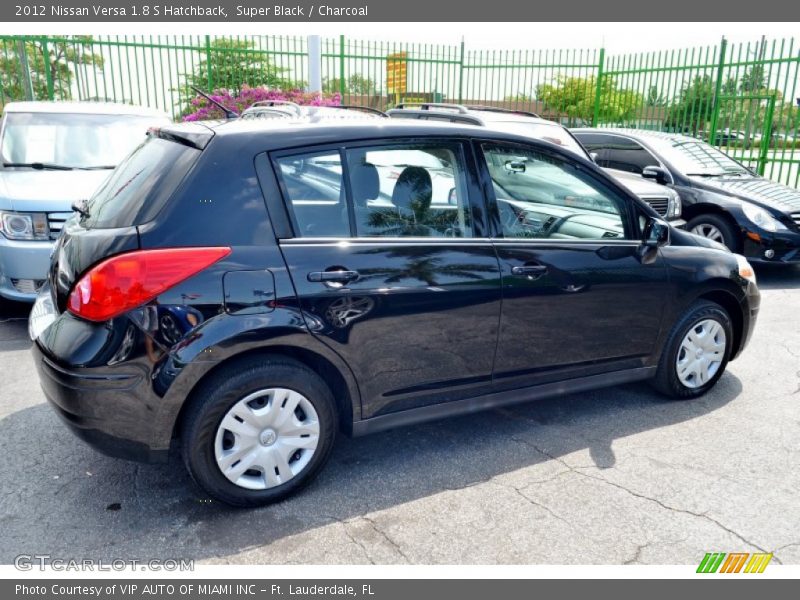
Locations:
column 249, row 289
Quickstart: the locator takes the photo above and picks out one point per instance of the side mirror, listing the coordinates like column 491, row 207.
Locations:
column 656, row 233
column 594, row 156
column 660, row 175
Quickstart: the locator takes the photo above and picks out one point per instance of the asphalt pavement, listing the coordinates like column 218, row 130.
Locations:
column 615, row 476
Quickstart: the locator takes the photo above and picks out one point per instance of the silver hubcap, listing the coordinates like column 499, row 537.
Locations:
column 267, row 438
column 707, row 230
column 701, row 353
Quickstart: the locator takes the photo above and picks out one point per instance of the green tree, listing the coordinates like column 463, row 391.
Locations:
column 753, row 81
column 655, row 98
column 356, row 85
column 692, row 109
column 235, row 63
column 574, row 97
column 62, row 60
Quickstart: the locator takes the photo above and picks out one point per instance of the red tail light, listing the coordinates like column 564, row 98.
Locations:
column 128, row 280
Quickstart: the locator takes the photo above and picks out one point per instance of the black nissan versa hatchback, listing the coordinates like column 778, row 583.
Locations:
column 248, row 289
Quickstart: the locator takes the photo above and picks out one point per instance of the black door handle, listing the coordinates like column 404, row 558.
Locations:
column 532, row 271
column 334, row 276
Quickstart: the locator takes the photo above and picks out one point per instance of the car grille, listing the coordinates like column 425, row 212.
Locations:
column 56, row 223
column 796, row 219
column 660, row 205
column 27, row 286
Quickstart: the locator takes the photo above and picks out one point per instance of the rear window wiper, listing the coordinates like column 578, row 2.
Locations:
column 40, row 165
column 98, row 168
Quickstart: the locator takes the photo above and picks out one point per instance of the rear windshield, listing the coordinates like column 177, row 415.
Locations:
column 140, row 186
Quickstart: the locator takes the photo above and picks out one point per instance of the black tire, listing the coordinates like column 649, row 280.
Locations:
column 666, row 380
column 225, row 388
column 732, row 237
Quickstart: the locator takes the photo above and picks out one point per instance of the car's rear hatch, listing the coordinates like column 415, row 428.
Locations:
column 133, row 195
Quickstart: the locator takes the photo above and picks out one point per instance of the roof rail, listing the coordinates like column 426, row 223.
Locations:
column 428, row 105
column 367, row 109
column 278, row 104
column 273, row 112
column 497, row 109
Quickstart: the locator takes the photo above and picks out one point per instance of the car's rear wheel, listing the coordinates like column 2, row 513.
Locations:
column 260, row 431
column 696, row 353
column 716, row 228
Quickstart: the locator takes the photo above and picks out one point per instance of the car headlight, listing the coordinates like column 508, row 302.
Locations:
column 24, row 226
column 745, row 269
column 676, row 206
column 761, row 218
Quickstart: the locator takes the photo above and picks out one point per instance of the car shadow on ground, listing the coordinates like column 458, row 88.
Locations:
column 776, row 277
column 62, row 498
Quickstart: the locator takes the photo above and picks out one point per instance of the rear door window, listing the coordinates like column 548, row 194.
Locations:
column 409, row 190
column 395, row 190
column 139, row 187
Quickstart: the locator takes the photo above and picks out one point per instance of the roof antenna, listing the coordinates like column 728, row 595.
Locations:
column 229, row 113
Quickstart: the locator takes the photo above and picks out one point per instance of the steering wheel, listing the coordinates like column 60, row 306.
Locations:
column 558, row 224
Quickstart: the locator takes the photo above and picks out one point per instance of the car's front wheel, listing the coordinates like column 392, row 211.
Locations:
column 259, row 431
column 716, row 228
column 696, row 353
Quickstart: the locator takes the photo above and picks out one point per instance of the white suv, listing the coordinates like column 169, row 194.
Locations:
column 55, row 154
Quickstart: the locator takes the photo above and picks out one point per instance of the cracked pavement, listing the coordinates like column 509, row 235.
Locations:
column 615, row 476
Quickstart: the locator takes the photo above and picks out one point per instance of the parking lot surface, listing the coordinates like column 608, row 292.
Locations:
column 614, row 476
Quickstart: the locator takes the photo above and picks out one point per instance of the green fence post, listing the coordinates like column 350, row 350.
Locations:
column 341, row 67
column 712, row 134
column 766, row 136
column 25, row 70
column 209, row 65
column 47, row 72
column 599, row 90
column 461, row 74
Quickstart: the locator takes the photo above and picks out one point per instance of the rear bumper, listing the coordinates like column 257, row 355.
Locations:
column 102, row 409
column 22, row 261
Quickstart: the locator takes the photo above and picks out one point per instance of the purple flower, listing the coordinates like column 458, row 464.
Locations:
column 201, row 109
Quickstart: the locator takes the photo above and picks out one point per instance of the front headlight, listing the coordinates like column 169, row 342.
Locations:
column 676, row 205
column 24, row 226
column 745, row 269
column 761, row 218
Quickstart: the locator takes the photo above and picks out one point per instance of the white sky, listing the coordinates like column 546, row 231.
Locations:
column 618, row 38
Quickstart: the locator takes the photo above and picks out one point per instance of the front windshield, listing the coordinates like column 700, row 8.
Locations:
column 549, row 132
column 75, row 141
column 693, row 157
